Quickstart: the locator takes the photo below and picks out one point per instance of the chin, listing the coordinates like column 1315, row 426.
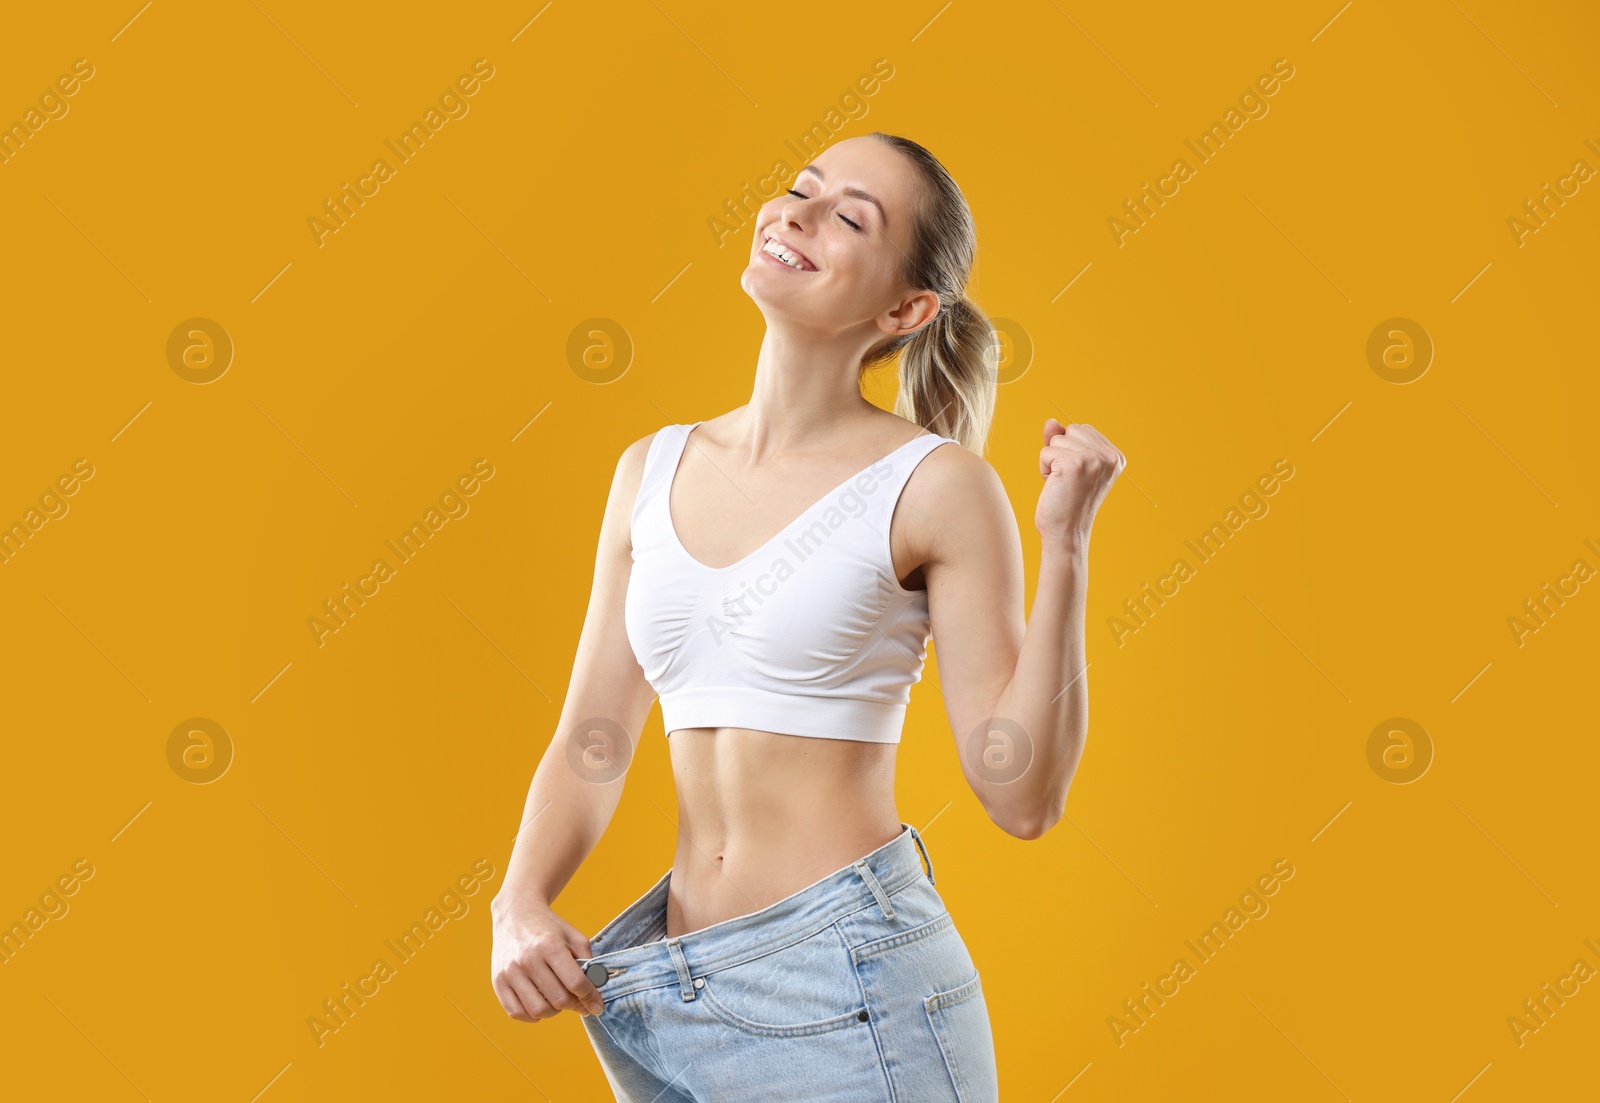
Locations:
column 760, row 284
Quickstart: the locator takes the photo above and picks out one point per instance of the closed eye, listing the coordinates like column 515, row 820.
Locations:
column 847, row 222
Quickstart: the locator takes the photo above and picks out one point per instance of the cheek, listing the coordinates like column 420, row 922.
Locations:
column 869, row 272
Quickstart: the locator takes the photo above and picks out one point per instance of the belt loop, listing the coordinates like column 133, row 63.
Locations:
column 682, row 966
column 877, row 888
column 918, row 840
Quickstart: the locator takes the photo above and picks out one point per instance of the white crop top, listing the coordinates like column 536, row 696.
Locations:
column 811, row 634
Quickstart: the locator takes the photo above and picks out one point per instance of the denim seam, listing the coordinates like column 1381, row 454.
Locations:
column 681, row 964
column 812, row 933
column 959, row 994
column 650, row 1042
column 951, row 1065
column 924, row 858
column 940, row 1002
column 878, row 892
column 890, row 942
column 775, row 1030
column 872, row 1020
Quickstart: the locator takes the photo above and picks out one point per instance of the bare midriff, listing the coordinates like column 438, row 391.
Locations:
column 762, row 815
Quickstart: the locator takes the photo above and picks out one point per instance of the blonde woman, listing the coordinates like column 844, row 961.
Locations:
column 773, row 575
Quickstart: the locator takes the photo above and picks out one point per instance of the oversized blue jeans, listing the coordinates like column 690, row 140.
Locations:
column 855, row 989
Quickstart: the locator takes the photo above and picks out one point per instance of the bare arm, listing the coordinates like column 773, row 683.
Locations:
column 1015, row 691
column 578, row 782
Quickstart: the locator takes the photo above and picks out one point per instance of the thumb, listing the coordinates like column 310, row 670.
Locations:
column 1052, row 429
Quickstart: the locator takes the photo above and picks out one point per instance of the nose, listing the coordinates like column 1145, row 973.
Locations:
column 789, row 211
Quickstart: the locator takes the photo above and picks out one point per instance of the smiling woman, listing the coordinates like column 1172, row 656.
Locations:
column 774, row 575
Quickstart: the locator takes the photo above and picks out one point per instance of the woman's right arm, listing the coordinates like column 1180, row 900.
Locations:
column 577, row 785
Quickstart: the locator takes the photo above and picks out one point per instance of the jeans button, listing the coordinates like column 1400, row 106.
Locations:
column 597, row 973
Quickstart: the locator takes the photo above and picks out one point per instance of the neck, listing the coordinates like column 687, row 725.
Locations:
column 806, row 394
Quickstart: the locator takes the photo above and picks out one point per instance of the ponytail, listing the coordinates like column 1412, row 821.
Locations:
column 948, row 368
column 947, row 374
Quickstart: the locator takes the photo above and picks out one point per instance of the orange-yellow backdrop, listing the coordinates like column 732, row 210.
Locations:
column 1358, row 231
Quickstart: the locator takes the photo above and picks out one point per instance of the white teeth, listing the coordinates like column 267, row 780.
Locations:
column 776, row 249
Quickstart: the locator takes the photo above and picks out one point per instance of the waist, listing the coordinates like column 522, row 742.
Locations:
column 638, row 953
column 746, row 874
column 762, row 814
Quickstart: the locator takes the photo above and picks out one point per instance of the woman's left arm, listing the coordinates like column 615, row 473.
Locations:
column 1015, row 690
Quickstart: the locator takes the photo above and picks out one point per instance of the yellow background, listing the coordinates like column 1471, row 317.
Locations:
column 1229, row 732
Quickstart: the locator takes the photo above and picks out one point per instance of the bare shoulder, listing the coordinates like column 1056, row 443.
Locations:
column 630, row 467
column 632, row 458
column 625, row 482
column 956, row 502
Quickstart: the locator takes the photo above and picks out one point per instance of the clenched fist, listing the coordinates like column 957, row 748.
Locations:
column 1078, row 465
column 534, row 967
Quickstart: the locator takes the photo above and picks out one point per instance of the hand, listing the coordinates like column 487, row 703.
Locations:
column 535, row 968
column 1078, row 465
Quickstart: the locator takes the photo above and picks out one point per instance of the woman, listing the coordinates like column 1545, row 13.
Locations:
column 773, row 575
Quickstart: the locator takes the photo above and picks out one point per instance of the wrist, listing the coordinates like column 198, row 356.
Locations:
column 506, row 903
column 1065, row 552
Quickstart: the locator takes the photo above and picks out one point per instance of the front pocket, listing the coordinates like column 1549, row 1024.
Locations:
column 776, row 1030
column 807, row 987
column 959, row 1019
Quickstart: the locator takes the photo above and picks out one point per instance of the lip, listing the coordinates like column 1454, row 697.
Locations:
column 810, row 267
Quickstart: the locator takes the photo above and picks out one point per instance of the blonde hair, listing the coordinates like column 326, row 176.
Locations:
column 948, row 381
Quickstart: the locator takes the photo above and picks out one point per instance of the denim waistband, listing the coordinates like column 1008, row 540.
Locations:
column 869, row 881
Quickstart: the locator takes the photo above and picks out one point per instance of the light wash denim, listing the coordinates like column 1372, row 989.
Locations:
column 855, row 989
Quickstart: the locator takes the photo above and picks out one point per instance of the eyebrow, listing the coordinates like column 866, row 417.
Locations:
column 856, row 193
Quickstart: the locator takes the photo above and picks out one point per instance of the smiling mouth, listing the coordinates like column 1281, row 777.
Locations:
column 786, row 256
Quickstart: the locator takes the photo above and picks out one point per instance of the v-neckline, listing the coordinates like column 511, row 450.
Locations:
column 672, row 527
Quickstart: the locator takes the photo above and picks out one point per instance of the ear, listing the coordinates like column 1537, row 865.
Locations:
column 914, row 311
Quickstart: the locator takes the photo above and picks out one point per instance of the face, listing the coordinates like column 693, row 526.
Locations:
column 846, row 223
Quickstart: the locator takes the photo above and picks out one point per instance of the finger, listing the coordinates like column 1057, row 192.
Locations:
column 1097, row 442
column 576, row 981
column 579, row 945
column 1099, row 438
column 532, row 999
column 553, row 988
column 510, row 1001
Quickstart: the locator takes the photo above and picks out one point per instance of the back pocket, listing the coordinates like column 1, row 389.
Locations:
column 960, row 1021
